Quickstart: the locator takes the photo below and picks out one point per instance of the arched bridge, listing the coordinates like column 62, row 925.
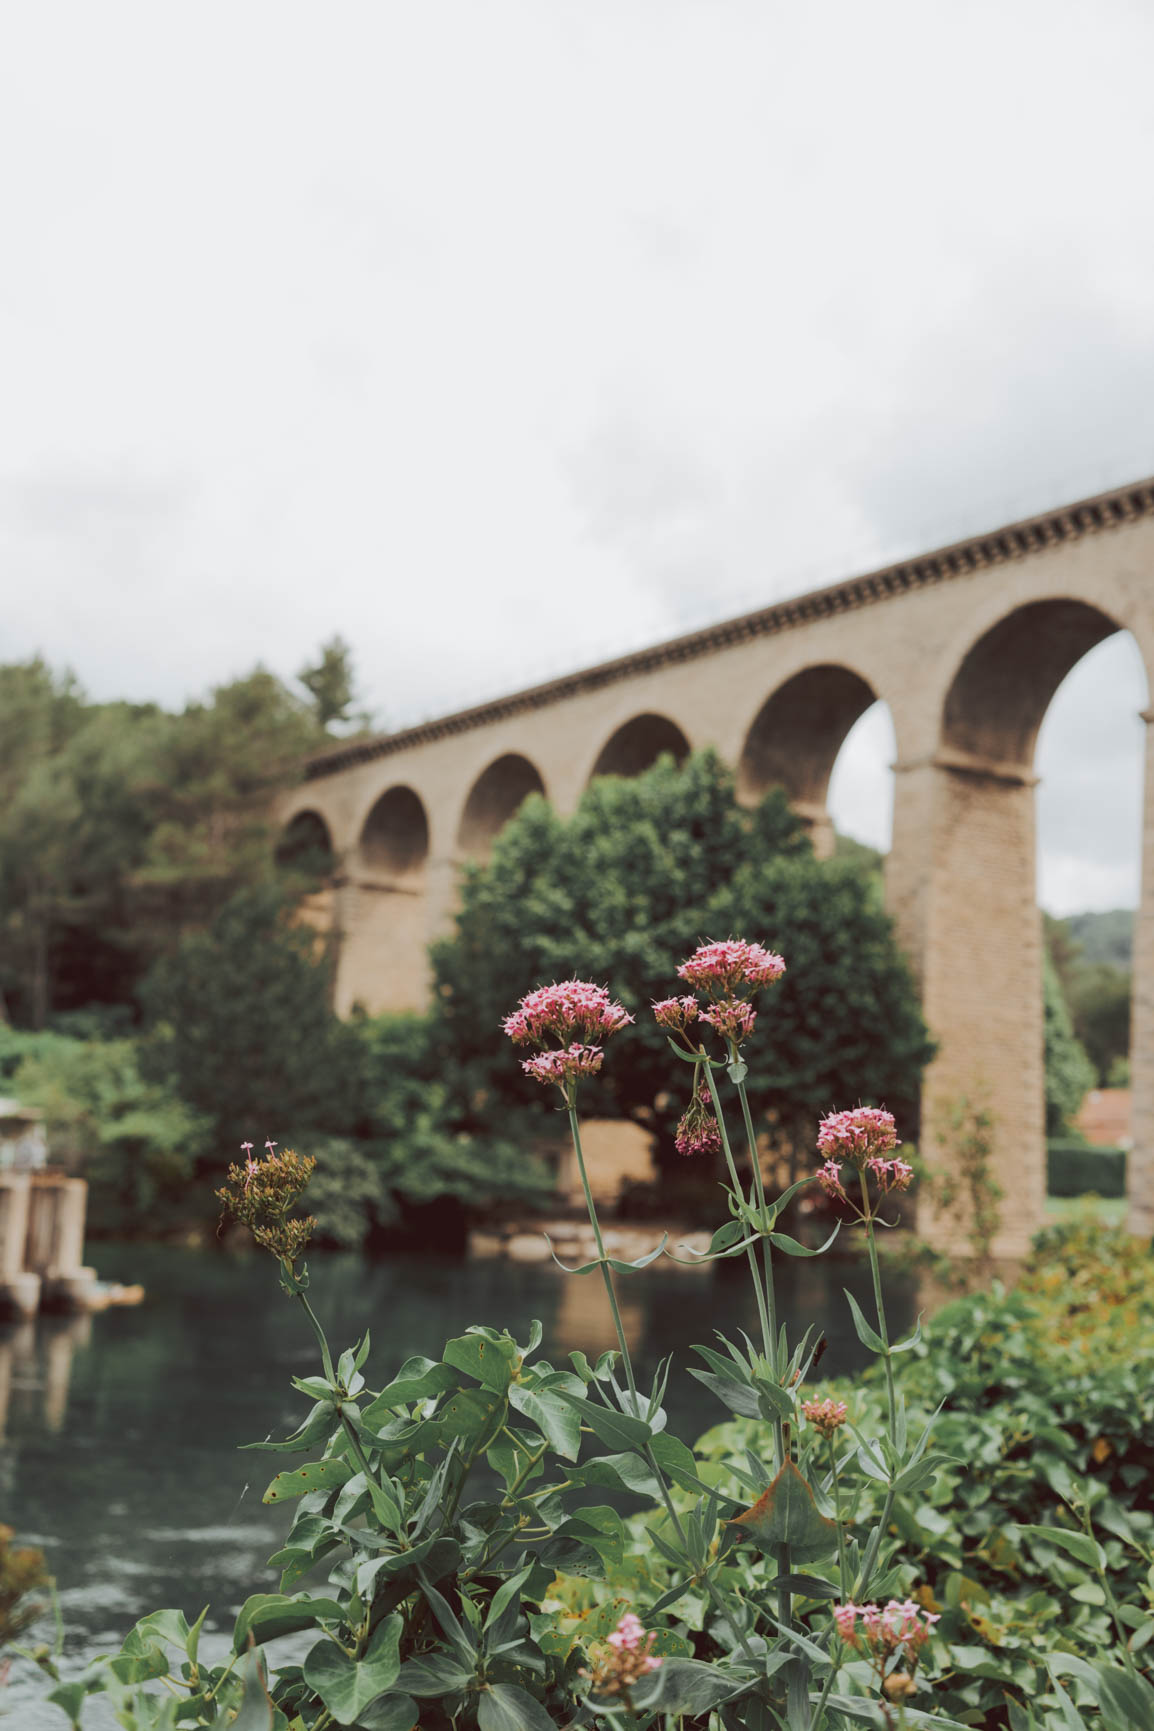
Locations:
column 966, row 645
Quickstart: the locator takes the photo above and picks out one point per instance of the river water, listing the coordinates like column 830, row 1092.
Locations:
column 119, row 1451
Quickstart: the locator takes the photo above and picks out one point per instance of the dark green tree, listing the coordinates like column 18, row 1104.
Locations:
column 1069, row 1072
column 332, row 686
column 621, row 893
column 242, row 1027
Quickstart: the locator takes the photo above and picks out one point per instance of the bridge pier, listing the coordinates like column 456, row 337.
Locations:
column 1140, row 1182
column 962, row 891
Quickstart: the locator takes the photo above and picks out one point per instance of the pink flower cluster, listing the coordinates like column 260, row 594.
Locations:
column 733, row 1018
column 722, row 969
column 901, row 1627
column 865, row 1133
column 629, row 1637
column 629, row 1659
column 829, row 1177
column 825, row 1415
column 697, row 1130
column 573, row 1011
column 564, row 1066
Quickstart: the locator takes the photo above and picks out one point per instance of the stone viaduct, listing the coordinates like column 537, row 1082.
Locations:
column 966, row 645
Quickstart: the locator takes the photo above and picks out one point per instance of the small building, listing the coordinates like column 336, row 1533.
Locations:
column 1105, row 1118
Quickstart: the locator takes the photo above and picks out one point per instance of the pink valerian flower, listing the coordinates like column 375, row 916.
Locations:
column 629, row 1659
column 830, row 1180
column 564, row 1067
column 721, row 969
column 865, row 1133
column 572, row 1012
column 675, row 1013
column 697, row 1130
column 899, row 1629
column 890, row 1174
column 826, row 1416
column 733, row 1018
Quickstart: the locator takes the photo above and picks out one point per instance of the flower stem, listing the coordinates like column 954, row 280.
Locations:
column 842, row 1562
column 650, row 1457
column 602, row 1262
column 768, row 1342
column 327, row 1361
column 879, row 1302
column 766, row 1246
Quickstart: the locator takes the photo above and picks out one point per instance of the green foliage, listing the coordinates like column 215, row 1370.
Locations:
column 1104, row 937
column 134, row 1140
column 242, row 1027
column 1069, row 1072
column 1091, row 953
column 122, row 824
column 331, row 685
column 965, row 1183
column 626, row 888
column 1077, row 1169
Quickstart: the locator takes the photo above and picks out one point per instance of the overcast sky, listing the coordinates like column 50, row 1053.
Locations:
column 503, row 337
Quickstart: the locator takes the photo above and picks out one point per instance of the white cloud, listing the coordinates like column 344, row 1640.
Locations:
column 503, row 338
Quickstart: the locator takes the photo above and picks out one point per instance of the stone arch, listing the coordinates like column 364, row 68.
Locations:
column 795, row 737
column 637, row 744
column 306, row 847
column 495, row 797
column 798, row 731
column 394, row 843
column 999, row 695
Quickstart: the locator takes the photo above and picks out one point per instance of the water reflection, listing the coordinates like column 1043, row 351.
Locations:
column 36, row 1370
column 120, row 1451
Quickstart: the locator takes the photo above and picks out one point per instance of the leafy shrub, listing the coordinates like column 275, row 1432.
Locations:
column 1077, row 1169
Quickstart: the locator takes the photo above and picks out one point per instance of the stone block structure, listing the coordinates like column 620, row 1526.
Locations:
column 966, row 645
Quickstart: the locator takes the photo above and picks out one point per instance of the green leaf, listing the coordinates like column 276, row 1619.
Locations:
column 783, row 1241
column 641, row 1261
column 267, row 1615
column 170, row 1626
column 418, row 1379
column 786, row 1514
column 1126, row 1700
column 324, row 1475
column 585, row 1268
column 347, row 1686
column 385, row 1505
column 505, row 1707
column 558, row 1420
column 739, row 1397
column 868, row 1336
column 69, row 1697
column 256, row 1711
column 489, row 1361
column 619, row 1472
column 620, row 1430
column 469, row 1413
column 138, row 1662
column 675, row 1460
column 689, row 1686
column 436, row 1674
column 773, row 1401
column 1080, row 1546
column 390, row 1713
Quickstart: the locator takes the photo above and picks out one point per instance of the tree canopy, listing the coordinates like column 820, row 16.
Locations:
column 122, row 824
column 622, row 892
